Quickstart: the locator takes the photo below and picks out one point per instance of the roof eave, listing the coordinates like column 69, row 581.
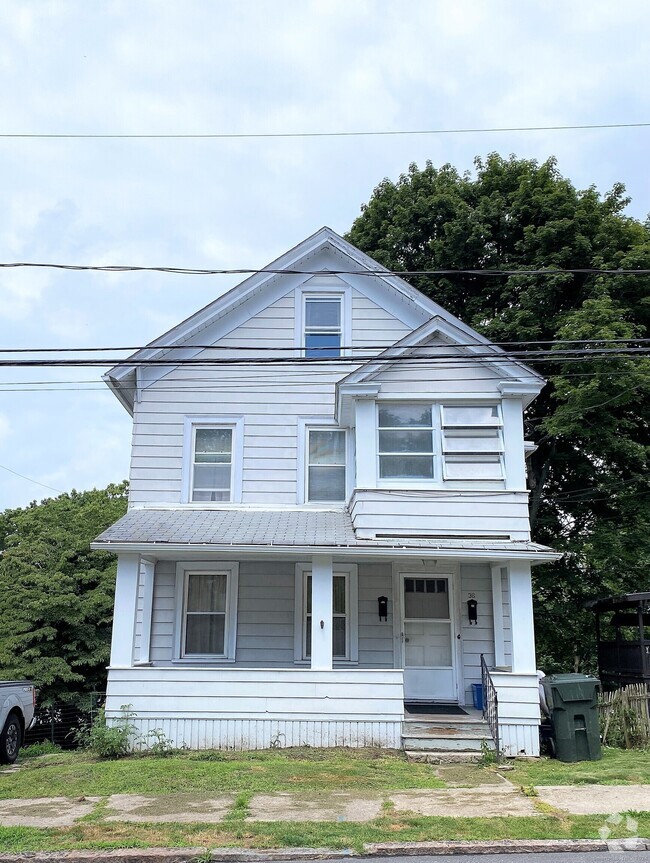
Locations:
column 197, row 549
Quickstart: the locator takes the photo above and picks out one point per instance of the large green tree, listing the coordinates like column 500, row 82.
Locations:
column 56, row 605
column 588, row 476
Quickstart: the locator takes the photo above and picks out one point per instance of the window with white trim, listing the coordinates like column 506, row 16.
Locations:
column 340, row 617
column 206, row 610
column 467, row 437
column 212, row 463
column 322, row 316
column 345, row 604
column 326, row 459
column 472, row 442
column 405, row 441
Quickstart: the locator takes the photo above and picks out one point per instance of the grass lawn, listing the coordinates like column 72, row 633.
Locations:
column 308, row 770
column 617, row 767
column 76, row 774
column 238, row 833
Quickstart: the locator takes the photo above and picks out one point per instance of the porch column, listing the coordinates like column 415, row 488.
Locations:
column 521, row 617
column 147, row 568
column 497, row 615
column 126, row 603
column 321, row 612
column 366, row 456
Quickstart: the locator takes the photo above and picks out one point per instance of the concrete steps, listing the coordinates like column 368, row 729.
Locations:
column 446, row 739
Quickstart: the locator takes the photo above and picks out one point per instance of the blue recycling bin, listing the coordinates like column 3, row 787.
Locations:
column 477, row 696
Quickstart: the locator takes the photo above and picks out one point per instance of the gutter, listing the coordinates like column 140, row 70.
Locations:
column 173, row 548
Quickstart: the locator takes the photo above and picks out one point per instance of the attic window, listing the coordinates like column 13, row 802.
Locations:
column 322, row 336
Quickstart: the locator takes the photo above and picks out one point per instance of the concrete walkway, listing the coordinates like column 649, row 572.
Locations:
column 484, row 801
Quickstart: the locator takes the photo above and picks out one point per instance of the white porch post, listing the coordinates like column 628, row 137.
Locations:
column 126, row 603
column 521, row 617
column 365, row 436
column 321, row 612
column 147, row 568
column 497, row 616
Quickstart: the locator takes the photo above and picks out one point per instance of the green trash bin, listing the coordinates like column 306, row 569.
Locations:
column 573, row 702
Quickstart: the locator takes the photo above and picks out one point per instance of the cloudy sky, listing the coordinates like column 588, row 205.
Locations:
column 254, row 66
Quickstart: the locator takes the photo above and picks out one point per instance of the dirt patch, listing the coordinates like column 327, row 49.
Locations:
column 468, row 776
column 596, row 799
column 45, row 811
column 182, row 808
column 481, row 802
column 337, row 806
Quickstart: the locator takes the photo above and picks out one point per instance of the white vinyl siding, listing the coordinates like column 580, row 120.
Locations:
column 270, row 436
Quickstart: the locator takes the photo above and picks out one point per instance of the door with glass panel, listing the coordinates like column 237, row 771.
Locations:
column 428, row 637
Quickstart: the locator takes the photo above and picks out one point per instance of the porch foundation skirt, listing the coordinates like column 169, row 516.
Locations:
column 243, row 709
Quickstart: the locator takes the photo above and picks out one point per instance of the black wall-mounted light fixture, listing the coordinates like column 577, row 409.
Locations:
column 382, row 602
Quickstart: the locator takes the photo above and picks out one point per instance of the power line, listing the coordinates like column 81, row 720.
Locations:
column 366, row 347
column 568, row 355
column 381, row 271
column 29, row 479
column 336, row 134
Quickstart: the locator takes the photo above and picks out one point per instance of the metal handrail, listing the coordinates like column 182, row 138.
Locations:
column 490, row 703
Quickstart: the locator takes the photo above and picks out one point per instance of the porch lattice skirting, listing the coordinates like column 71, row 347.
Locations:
column 241, row 709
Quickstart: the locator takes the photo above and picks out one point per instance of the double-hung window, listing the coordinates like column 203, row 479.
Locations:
column 340, row 613
column 212, row 462
column 322, row 326
column 405, row 441
column 472, row 442
column 466, row 440
column 326, row 465
column 207, row 607
column 344, row 613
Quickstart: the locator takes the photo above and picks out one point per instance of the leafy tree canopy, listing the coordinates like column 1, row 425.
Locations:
column 588, row 476
column 57, row 594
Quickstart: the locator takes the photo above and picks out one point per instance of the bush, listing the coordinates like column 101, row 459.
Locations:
column 43, row 747
column 108, row 741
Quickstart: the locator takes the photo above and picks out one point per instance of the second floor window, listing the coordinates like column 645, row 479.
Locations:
column 405, row 441
column 212, row 464
column 467, row 438
column 322, row 336
column 326, row 465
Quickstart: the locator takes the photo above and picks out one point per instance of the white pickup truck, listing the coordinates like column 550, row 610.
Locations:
column 17, row 703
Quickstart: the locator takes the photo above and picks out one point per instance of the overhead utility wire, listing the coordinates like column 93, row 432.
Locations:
column 521, row 356
column 365, row 347
column 29, row 479
column 251, row 271
column 339, row 134
column 210, row 385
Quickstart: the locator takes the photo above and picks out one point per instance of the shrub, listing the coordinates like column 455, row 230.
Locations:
column 108, row 741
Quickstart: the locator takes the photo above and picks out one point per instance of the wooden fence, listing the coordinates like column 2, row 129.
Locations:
column 625, row 716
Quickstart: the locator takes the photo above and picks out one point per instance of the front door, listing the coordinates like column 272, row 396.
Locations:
column 428, row 637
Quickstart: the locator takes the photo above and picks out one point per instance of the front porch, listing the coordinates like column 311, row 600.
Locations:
column 321, row 650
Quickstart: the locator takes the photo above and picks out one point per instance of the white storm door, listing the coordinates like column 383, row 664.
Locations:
column 428, row 637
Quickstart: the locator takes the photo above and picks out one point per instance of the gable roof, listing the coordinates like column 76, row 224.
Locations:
column 256, row 292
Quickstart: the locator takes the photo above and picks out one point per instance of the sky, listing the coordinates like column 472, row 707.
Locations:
column 253, row 66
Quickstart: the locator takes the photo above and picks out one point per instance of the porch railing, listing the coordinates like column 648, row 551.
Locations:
column 490, row 703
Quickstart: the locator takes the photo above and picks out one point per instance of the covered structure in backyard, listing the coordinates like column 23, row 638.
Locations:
column 623, row 638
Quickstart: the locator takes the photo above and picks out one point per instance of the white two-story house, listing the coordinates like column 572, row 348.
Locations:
column 328, row 516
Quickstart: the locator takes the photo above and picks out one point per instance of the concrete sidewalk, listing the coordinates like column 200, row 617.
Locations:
column 485, row 801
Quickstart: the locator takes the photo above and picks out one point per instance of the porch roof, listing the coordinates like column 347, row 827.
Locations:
column 274, row 529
